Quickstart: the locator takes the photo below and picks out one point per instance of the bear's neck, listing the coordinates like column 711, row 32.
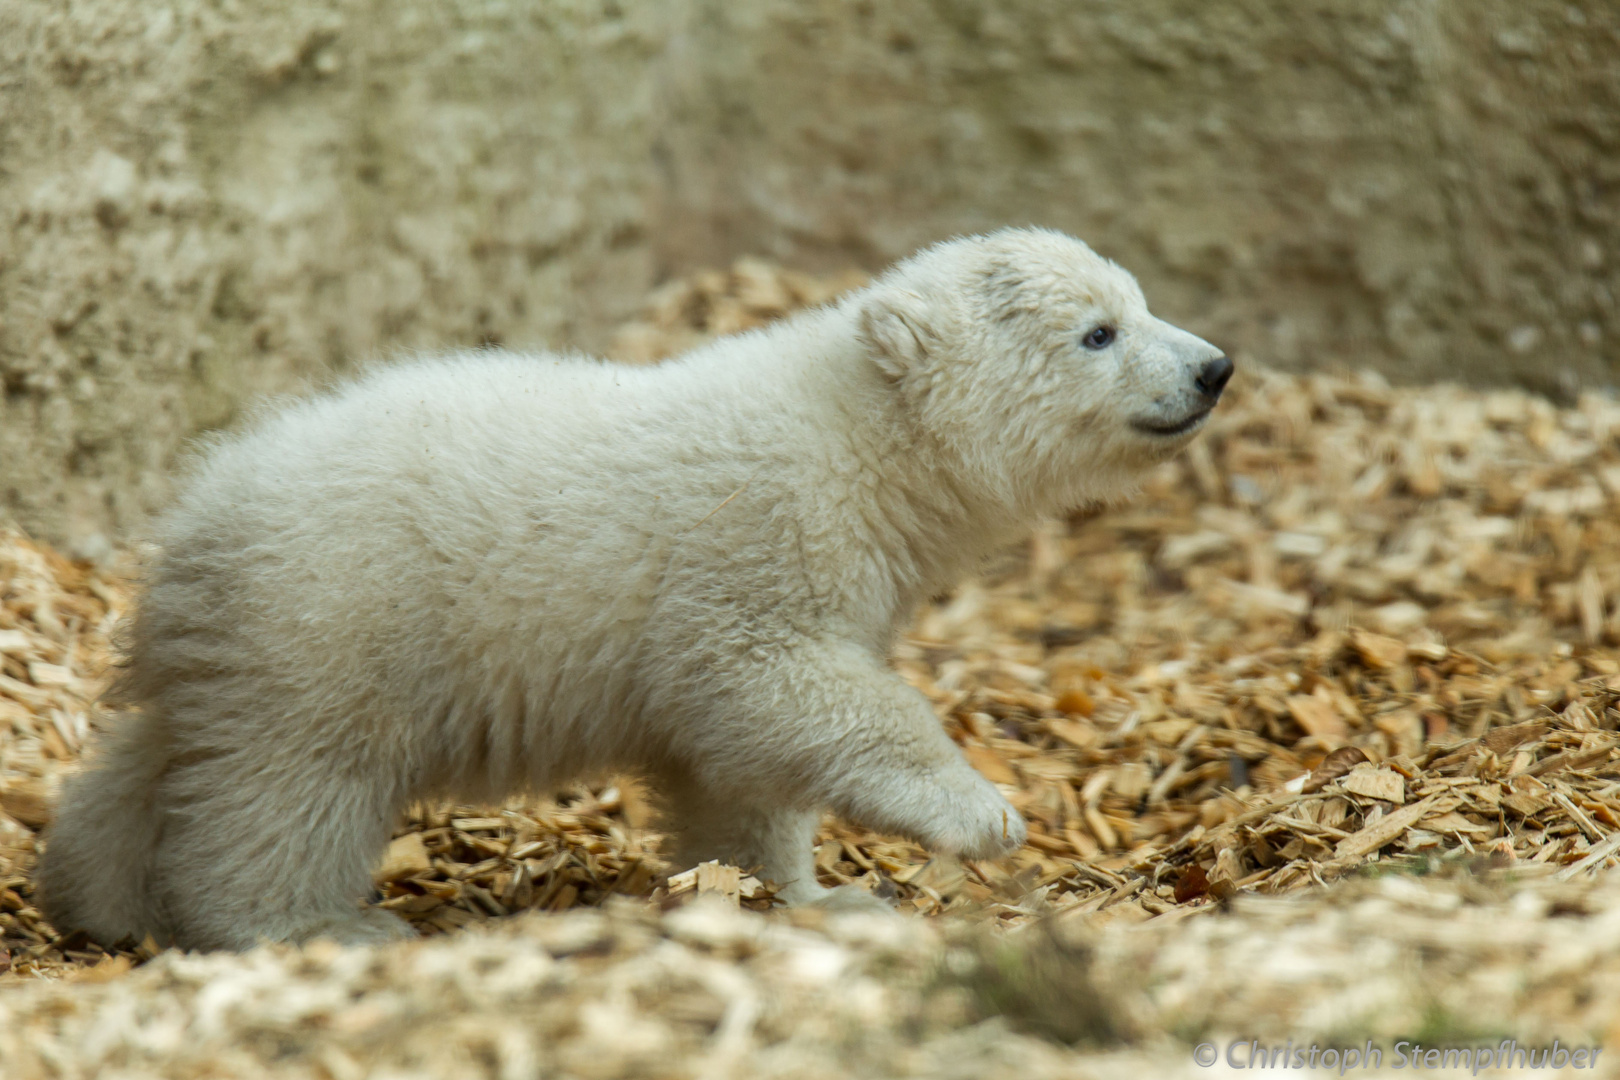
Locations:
column 904, row 500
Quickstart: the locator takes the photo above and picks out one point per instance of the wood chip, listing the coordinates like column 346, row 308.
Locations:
column 1377, row 651
column 990, row 764
column 407, row 856
column 1317, row 715
column 1573, row 759
column 1384, row 830
column 27, row 801
column 1375, row 783
column 720, row 880
column 1595, row 859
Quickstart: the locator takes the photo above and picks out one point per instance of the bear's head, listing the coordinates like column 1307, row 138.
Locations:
column 1033, row 367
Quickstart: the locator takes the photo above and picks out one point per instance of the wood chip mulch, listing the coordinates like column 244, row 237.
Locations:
column 1353, row 625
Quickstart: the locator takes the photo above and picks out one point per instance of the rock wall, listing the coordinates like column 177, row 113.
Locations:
column 207, row 202
column 201, row 203
column 1430, row 187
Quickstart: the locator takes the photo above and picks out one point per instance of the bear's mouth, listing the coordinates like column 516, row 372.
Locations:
column 1180, row 427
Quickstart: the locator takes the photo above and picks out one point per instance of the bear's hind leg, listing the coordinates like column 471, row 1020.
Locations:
column 710, row 824
column 776, row 842
column 278, row 850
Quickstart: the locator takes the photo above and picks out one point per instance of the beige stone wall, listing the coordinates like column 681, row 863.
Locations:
column 1431, row 187
column 201, row 202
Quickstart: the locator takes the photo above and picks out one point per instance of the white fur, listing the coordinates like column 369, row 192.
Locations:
column 492, row 572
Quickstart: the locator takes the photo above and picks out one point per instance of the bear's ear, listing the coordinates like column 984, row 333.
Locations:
column 895, row 329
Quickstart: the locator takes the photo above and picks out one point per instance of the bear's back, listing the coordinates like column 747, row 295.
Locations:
column 437, row 522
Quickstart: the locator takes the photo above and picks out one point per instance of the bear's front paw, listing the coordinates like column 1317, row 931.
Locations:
column 982, row 826
column 1000, row 838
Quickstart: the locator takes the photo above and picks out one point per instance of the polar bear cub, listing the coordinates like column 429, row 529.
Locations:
column 492, row 572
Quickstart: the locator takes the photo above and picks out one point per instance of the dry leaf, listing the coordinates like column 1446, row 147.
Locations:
column 1335, row 765
column 1192, row 884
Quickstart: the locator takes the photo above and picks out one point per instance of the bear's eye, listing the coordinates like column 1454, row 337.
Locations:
column 1098, row 337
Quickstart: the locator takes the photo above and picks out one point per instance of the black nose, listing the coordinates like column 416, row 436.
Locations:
column 1212, row 380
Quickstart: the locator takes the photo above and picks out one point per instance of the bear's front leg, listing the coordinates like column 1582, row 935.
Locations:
column 832, row 726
